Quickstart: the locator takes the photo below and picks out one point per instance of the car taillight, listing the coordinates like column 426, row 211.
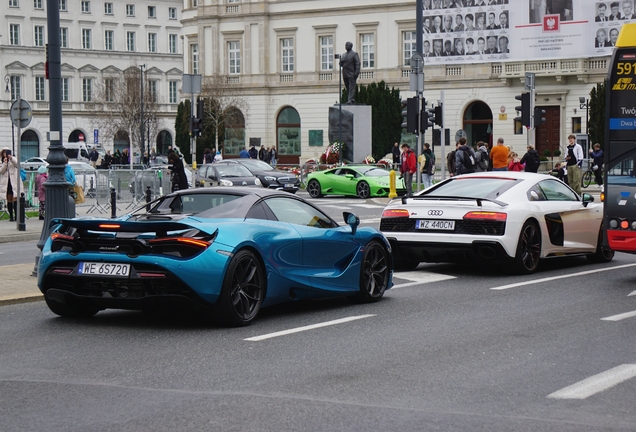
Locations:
column 392, row 213
column 183, row 247
column 62, row 242
column 482, row 215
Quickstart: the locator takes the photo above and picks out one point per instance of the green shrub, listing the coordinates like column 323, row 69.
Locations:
column 556, row 153
column 547, row 153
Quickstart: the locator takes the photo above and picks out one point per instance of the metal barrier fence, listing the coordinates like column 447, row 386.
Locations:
column 130, row 187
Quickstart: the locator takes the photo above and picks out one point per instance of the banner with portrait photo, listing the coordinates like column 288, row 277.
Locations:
column 470, row 31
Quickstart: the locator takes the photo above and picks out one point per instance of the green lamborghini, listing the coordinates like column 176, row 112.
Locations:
column 364, row 181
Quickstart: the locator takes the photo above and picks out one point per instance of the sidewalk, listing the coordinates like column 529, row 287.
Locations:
column 18, row 283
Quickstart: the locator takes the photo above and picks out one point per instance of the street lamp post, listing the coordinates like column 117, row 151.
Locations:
column 141, row 122
column 337, row 57
column 7, row 79
column 585, row 103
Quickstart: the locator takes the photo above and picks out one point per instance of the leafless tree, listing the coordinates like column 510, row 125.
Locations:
column 120, row 97
column 225, row 105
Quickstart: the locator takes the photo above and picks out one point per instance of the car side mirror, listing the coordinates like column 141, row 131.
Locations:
column 212, row 177
column 349, row 176
column 587, row 198
column 352, row 220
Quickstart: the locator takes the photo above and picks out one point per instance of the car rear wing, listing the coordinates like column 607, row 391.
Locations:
column 454, row 198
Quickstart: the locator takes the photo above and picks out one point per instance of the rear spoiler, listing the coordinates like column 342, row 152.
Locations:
column 479, row 200
column 115, row 226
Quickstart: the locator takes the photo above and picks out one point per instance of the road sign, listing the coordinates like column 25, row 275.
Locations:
column 417, row 62
column 21, row 113
column 96, row 136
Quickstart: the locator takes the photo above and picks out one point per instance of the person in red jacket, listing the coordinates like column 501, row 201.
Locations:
column 408, row 167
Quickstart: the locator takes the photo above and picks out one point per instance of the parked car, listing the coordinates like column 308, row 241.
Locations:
column 32, row 164
column 511, row 219
column 270, row 177
column 363, row 181
column 226, row 251
column 225, row 173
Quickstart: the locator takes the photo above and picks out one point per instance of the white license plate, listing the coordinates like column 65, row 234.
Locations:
column 289, row 186
column 427, row 224
column 103, row 269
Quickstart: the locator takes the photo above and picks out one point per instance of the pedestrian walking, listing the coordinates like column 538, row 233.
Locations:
column 40, row 179
column 573, row 161
column 428, row 170
column 396, row 155
column 531, row 160
column 597, row 165
column 272, row 156
column 408, row 167
column 499, row 156
column 9, row 177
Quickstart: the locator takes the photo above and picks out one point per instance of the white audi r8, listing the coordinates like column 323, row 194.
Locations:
column 492, row 217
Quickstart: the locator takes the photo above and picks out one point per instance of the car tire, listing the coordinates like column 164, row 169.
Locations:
column 601, row 255
column 528, row 248
column 69, row 311
column 374, row 272
column 363, row 190
column 243, row 290
column 313, row 188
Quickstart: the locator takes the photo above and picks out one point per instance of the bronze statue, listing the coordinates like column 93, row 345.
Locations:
column 350, row 65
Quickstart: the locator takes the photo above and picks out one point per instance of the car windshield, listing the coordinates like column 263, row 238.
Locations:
column 373, row 172
column 471, row 187
column 257, row 165
column 227, row 170
column 188, row 203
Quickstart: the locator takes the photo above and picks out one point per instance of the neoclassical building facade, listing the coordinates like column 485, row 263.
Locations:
column 281, row 54
column 99, row 39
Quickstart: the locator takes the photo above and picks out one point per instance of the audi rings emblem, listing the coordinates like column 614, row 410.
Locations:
column 435, row 212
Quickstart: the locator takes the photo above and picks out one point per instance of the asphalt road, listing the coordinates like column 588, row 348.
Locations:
column 448, row 348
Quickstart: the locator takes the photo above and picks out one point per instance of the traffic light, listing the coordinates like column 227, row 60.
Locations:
column 409, row 110
column 197, row 122
column 539, row 118
column 524, row 108
column 424, row 120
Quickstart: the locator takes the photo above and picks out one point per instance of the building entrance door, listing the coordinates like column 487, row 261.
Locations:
column 547, row 136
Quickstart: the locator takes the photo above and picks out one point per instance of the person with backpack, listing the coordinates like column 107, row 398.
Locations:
column 450, row 161
column 481, row 157
column 464, row 158
column 428, row 168
column 531, row 159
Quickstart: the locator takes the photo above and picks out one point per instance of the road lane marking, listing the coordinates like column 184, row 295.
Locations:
column 620, row 316
column 305, row 328
column 631, row 293
column 417, row 278
column 548, row 279
column 597, row 383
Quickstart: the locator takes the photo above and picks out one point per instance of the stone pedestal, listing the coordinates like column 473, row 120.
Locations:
column 356, row 130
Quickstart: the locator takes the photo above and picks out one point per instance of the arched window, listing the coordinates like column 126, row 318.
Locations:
column 164, row 140
column 478, row 123
column 288, row 135
column 77, row 136
column 234, row 137
column 29, row 146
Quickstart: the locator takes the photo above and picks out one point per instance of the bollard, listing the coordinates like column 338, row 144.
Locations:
column 148, row 197
column 21, row 219
column 392, row 190
column 113, row 203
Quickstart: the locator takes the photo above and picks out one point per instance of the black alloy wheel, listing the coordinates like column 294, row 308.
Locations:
column 528, row 248
column 602, row 255
column 374, row 277
column 313, row 188
column 243, row 290
column 363, row 190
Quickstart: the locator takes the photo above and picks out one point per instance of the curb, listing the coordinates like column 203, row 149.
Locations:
column 20, row 236
column 18, row 300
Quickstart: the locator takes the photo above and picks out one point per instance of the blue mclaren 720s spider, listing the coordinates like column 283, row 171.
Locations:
column 228, row 251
